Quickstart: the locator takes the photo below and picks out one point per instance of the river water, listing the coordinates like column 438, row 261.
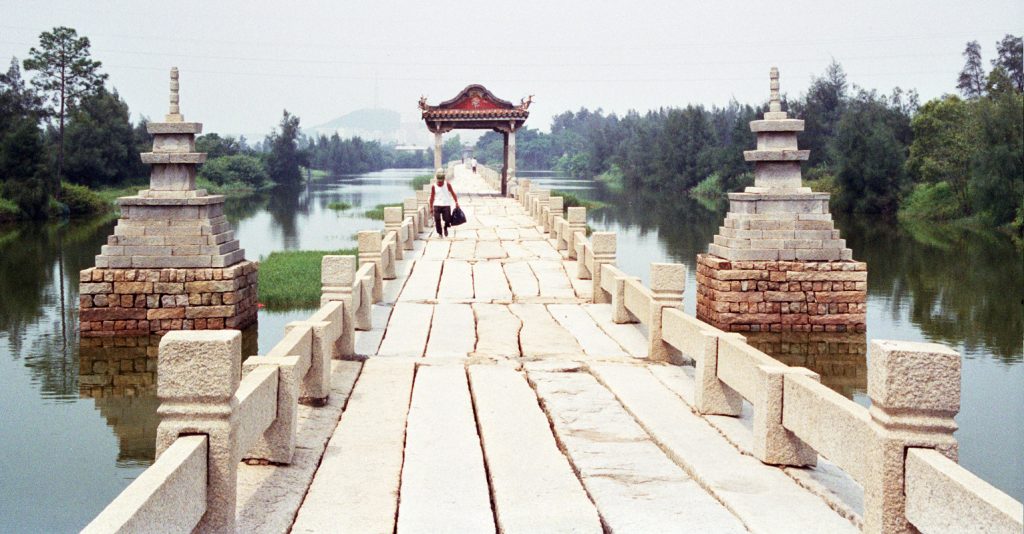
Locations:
column 77, row 421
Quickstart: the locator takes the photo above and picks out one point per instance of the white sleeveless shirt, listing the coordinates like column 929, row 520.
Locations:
column 442, row 197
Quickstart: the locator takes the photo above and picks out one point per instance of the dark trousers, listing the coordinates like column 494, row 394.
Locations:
column 442, row 212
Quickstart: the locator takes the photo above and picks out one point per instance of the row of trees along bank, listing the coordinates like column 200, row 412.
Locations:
column 954, row 157
column 64, row 135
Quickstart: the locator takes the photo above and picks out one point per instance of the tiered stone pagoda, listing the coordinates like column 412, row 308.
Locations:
column 778, row 263
column 173, row 262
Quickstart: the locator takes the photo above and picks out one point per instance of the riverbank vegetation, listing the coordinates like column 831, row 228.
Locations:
column 339, row 206
column 291, row 279
column 952, row 158
column 377, row 212
column 78, row 132
column 418, row 182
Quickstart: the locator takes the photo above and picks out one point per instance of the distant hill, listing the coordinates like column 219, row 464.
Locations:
column 379, row 120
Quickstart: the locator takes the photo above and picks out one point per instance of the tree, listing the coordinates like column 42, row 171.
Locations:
column 18, row 98
column 23, row 176
column 216, row 146
column 971, row 82
column 942, row 147
column 240, row 168
column 1010, row 56
column 66, row 74
column 101, row 142
column 998, row 162
column 451, row 149
column 22, row 165
column 284, row 159
column 821, row 111
column 869, row 157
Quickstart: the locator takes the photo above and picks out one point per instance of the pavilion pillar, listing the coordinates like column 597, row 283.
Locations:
column 437, row 150
column 504, row 167
column 512, row 154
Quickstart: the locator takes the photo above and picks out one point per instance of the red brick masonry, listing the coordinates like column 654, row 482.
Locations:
column 782, row 296
column 135, row 302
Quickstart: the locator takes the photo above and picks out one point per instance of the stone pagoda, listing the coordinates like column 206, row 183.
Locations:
column 173, row 262
column 778, row 263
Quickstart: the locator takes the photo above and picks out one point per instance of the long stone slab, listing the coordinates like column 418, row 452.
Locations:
column 552, row 278
column 761, row 496
column 436, row 249
column 407, row 330
column 581, row 325
column 541, row 494
column 489, row 282
column 444, row 485
column 270, row 495
column 631, row 337
column 356, row 486
column 452, row 331
column 497, row 330
column 542, row 249
column 542, row 336
column 463, row 249
column 423, row 281
column 456, row 281
column 635, row 486
column 489, row 250
column 521, row 279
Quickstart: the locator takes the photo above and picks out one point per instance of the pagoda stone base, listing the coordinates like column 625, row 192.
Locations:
column 782, row 296
column 139, row 302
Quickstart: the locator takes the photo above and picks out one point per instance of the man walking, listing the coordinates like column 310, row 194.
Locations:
column 442, row 198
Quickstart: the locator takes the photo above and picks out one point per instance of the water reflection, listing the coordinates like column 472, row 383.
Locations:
column 840, row 358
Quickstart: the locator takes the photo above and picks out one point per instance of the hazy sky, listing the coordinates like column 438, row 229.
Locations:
column 242, row 62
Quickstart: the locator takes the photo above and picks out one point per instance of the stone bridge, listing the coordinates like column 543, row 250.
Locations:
column 510, row 378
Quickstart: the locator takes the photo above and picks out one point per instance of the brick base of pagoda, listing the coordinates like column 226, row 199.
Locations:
column 782, row 296
column 135, row 302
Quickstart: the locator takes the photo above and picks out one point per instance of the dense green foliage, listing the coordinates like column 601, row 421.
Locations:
column 377, row 212
column 100, row 144
column 346, row 156
column 339, row 206
column 418, row 182
column 65, row 74
column 291, row 279
column 240, row 169
column 284, row 158
column 873, row 152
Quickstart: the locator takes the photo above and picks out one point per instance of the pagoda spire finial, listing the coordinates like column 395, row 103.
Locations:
column 775, row 104
column 174, row 114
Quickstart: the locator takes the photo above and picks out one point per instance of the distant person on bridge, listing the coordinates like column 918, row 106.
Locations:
column 442, row 198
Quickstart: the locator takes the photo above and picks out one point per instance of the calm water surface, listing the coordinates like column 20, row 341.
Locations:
column 77, row 423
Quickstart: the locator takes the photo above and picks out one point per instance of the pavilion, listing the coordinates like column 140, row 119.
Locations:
column 476, row 108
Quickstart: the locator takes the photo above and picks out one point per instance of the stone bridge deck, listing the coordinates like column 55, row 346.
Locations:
column 496, row 397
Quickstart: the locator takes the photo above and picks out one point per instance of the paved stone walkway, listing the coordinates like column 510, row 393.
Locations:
column 496, row 397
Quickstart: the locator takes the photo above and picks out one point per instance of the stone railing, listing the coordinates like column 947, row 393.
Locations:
column 901, row 450
column 216, row 411
column 491, row 176
column 905, row 440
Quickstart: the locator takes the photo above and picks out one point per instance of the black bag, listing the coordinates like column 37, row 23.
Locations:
column 458, row 217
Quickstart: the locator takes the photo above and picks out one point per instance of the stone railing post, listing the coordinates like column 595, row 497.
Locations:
column 603, row 245
column 522, row 192
column 621, row 315
column 668, row 280
column 552, row 208
column 277, row 444
column 364, row 312
column 411, row 210
column 915, row 394
column 710, row 395
column 393, row 223
column 337, row 274
column 577, row 218
column 772, row 443
column 370, row 246
column 198, row 372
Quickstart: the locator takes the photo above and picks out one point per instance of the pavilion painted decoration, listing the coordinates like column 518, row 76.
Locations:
column 778, row 262
column 476, row 108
